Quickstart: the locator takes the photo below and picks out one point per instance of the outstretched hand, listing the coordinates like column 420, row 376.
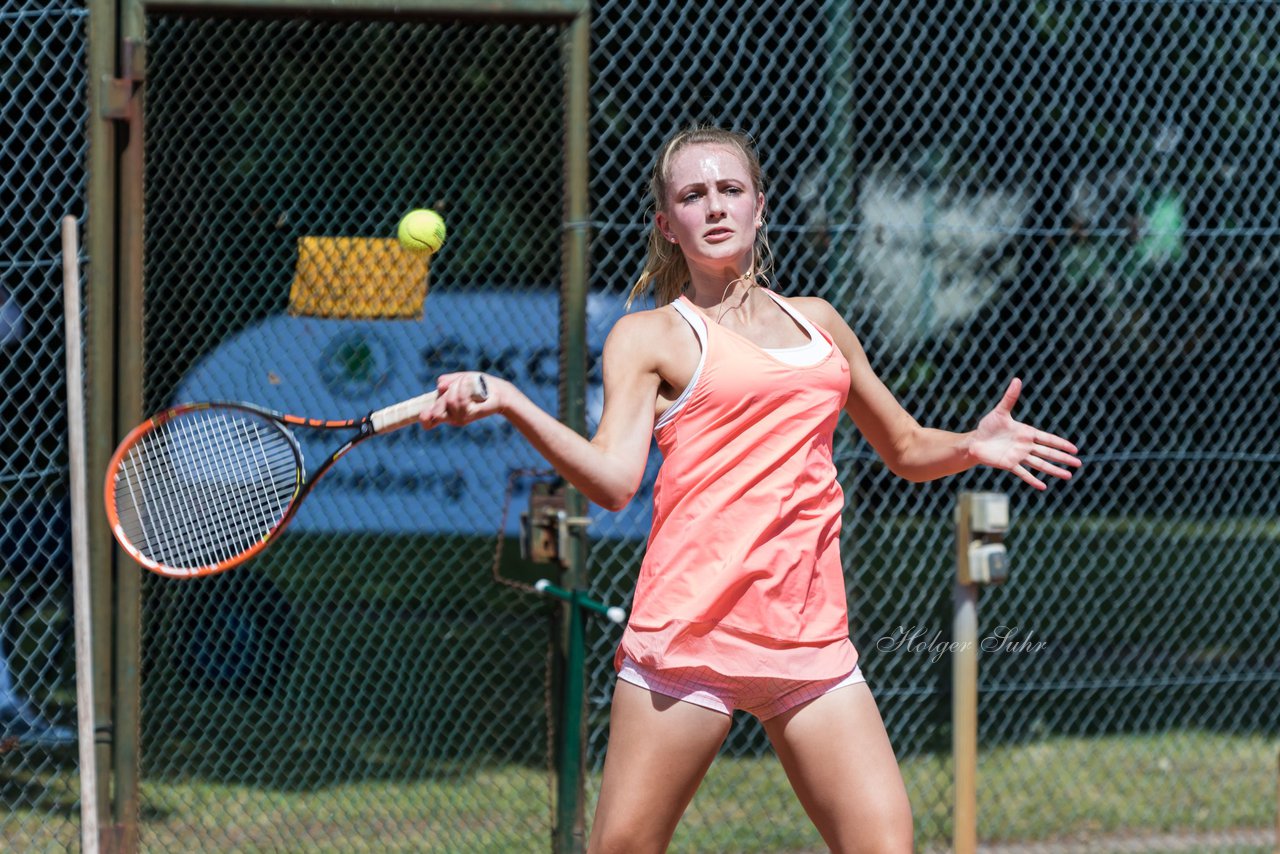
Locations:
column 1003, row 443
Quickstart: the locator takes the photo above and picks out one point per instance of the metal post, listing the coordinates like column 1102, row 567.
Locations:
column 571, row 768
column 570, row 820
column 100, row 349
column 964, row 693
column 982, row 519
column 964, row 718
column 86, row 728
column 837, row 180
column 129, row 407
column 928, row 287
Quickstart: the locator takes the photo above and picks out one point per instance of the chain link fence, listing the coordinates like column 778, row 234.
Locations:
column 42, row 161
column 368, row 678
column 1079, row 193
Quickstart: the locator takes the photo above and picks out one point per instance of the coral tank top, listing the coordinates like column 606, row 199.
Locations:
column 742, row 573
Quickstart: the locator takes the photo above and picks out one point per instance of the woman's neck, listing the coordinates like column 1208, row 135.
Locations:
column 715, row 297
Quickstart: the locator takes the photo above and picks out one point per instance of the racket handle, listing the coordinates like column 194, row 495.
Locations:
column 406, row 412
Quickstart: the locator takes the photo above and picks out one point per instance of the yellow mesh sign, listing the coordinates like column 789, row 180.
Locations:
column 358, row 277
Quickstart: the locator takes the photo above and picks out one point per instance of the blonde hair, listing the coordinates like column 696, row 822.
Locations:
column 665, row 269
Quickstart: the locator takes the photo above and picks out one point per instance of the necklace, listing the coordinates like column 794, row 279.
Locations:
column 746, row 294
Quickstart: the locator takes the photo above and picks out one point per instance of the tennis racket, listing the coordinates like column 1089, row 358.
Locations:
column 202, row 487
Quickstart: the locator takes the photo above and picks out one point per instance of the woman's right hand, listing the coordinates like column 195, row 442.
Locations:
column 607, row 468
column 459, row 402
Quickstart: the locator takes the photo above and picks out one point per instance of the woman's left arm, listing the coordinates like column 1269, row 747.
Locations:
column 923, row 453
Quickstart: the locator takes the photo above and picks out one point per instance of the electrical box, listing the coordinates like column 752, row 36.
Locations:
column 546, row 527
column 989, row 513
column 988, row 563
column 540, row 525
column 982, row 521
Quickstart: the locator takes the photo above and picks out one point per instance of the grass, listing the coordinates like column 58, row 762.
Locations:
column 399, row 674
column 1052, row 789
column 1056, row 788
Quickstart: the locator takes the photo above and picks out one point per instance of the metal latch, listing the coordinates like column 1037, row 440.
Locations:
column 118, row 92
column 546, row 526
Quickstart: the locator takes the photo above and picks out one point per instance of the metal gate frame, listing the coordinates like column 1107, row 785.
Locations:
column 117, row 74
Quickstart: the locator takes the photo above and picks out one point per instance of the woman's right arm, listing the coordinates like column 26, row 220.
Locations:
column 607, row 469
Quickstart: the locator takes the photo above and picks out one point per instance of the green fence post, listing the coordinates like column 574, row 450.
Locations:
column 839, row 177
column 100, row 372
column 127, row 699
column 570, row 764
column 570, row 790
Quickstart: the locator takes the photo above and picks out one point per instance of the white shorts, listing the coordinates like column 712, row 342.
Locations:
column 763, row 696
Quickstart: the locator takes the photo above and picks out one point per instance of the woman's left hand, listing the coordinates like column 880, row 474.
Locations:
column 1003, row 443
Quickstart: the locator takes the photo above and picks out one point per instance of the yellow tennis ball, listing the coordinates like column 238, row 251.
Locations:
column 421, row 231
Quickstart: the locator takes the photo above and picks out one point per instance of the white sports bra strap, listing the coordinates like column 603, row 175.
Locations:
column 814, row 334
column 699, row 329
column 806, row 354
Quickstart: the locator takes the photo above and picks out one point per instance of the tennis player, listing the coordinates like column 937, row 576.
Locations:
column 740, row 602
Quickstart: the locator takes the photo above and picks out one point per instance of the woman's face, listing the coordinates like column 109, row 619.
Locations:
column 712, row 207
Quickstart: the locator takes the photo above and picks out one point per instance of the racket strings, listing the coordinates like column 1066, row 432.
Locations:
column 206, row 486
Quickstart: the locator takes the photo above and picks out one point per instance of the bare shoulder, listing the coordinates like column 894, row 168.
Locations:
column 648, row 334
column 819, row 311
column 645, row 328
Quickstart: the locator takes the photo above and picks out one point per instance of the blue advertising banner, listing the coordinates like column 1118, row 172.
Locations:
column 447, row 480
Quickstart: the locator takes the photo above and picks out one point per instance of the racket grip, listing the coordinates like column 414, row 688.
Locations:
column 401, row 414
column 406, row 412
